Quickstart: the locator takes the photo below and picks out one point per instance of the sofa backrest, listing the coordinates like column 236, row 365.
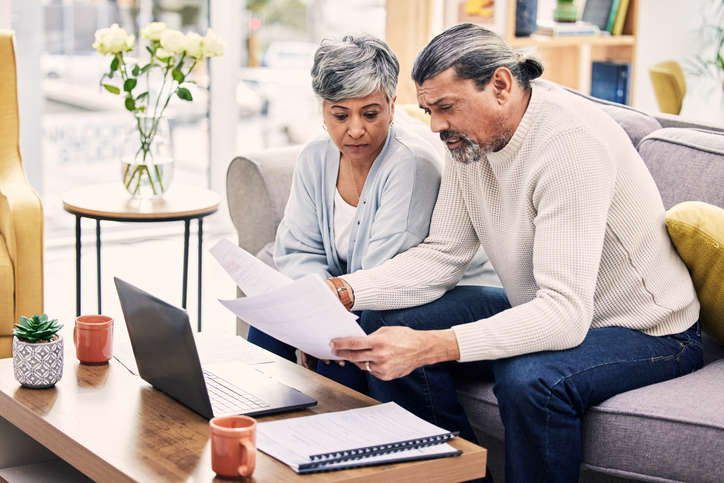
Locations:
column 637, row 124
column 687, row 165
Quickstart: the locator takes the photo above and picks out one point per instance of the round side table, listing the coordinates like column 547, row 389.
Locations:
column 113, row 203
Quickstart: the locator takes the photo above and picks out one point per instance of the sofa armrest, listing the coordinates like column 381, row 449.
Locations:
column 258, row 187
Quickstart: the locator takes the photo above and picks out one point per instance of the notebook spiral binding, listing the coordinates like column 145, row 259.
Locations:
column 321, row 460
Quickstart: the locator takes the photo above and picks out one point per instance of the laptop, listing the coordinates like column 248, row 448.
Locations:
column 165, row 352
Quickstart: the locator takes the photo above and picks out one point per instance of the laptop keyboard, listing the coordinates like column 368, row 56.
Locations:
column 226, row 399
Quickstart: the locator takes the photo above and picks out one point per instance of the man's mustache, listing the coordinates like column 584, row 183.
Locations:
column 445, row 135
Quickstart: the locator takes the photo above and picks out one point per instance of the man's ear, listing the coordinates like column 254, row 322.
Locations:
column 502, row 83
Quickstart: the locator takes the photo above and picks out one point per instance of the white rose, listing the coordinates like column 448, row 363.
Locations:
column 113, row 40
column 163, row 54
column 173, row 40
column 194, row 45
column 153, row 31
column 213, row 45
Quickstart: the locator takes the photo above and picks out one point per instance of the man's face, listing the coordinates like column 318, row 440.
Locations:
column 470, row 122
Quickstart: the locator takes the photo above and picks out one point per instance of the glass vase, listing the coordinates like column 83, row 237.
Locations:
column 147, row 160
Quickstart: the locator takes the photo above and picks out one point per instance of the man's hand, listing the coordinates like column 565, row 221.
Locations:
column 394, row 352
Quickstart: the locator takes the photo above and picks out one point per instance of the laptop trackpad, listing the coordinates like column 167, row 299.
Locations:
column 274, row 393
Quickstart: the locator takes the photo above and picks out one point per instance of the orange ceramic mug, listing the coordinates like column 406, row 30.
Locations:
column 93, row 338
column 233, row 446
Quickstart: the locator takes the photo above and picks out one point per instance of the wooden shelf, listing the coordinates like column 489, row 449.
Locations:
column 568, row 60
column 605, row 41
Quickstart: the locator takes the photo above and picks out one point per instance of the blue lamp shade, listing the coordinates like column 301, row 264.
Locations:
column 526, row 15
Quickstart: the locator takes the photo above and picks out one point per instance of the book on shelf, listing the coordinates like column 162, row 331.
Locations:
column 597, row 12
column 612, row 15
column 611, row 81
column 374, row 435
column 620, row 17
column 566, row 29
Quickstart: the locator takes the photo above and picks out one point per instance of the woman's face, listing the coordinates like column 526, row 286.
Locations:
column 358, row 126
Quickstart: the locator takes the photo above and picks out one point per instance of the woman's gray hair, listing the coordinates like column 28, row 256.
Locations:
column 476, row 53
column 355, row 65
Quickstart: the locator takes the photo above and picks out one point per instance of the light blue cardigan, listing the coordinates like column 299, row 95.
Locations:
column 393, row 213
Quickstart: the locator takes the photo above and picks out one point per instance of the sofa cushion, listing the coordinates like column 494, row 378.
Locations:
column 697, row 230
column 671, row 431
column 681, row 159
column 636, row 123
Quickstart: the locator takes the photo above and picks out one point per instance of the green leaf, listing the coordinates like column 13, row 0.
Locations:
column 112, row 89
column 130, row 104
column 177, row 76
column 135, row 70
column 114, row 65
column 141, row 95
column 146, row 67
column 150, row 50
column 184, row 94
column 142, row 109
column 129, row 85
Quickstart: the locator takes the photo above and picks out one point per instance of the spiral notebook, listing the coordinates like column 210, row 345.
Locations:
column 381, row 434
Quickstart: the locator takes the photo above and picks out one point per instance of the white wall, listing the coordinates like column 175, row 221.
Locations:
column 668, row 30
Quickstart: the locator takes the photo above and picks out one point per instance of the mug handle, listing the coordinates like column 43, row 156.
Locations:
column 248, row 458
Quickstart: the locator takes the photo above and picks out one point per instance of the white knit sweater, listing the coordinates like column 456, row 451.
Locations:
column 573, row 224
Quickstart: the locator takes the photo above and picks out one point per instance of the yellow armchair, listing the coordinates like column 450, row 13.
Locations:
column 669, row 86
column 21, row 212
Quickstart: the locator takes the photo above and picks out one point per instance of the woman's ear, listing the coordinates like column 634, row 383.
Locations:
column 392, row 108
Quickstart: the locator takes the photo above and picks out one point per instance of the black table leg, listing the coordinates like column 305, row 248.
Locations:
column 98, row 259
column 77, row 266
column 187, row 234
column 201, row 239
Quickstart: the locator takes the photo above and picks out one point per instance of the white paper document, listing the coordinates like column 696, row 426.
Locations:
column 251, row 275
column 303, row 313
column 358, row 437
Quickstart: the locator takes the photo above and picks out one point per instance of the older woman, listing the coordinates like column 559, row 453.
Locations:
column 362, row 192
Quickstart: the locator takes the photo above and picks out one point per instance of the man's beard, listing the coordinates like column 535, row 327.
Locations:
column 469, row 150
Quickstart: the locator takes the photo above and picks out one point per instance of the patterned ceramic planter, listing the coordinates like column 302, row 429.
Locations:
column 38, row 365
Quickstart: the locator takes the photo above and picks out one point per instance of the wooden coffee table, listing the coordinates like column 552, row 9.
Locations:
column 114, row 427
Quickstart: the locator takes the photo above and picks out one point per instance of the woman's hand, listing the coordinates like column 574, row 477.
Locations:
column 392, row 352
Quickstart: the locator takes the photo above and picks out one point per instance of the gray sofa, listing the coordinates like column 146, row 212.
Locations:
column 673, row 431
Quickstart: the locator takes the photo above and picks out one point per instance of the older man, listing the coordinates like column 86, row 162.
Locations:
column 596, row 300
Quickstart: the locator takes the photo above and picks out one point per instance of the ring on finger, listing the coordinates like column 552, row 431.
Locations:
column 367, row 366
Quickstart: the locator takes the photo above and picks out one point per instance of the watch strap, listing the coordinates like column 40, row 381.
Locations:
column 342, row 292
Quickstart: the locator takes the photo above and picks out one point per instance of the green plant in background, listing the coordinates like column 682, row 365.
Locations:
column 709, row 61
column 173, row 55
column 36, row 328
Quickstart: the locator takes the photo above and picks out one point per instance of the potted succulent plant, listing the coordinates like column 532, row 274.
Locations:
column 37, row 351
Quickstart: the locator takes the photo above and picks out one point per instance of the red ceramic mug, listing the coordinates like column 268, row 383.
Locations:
column 233, row 446
column 93, row 338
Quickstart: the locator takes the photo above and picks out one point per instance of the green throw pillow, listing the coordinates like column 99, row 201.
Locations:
column 697, row 230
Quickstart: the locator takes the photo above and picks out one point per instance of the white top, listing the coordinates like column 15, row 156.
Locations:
column 343, row 222
column 573, row 224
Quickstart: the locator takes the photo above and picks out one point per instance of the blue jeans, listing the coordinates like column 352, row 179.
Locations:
column 349, row 375
column 542, row 395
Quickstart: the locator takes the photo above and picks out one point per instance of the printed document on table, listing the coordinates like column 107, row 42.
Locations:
column 357, row 437
column 251, row 275
column 303, row 313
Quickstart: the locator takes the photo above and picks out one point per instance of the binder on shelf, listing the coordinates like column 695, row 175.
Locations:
column 620, row 17
column 381, row 434
column 597, row 12
column 610, row 81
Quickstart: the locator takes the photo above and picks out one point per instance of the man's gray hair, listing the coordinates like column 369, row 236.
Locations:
column 355, row 65
column 476, row 53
